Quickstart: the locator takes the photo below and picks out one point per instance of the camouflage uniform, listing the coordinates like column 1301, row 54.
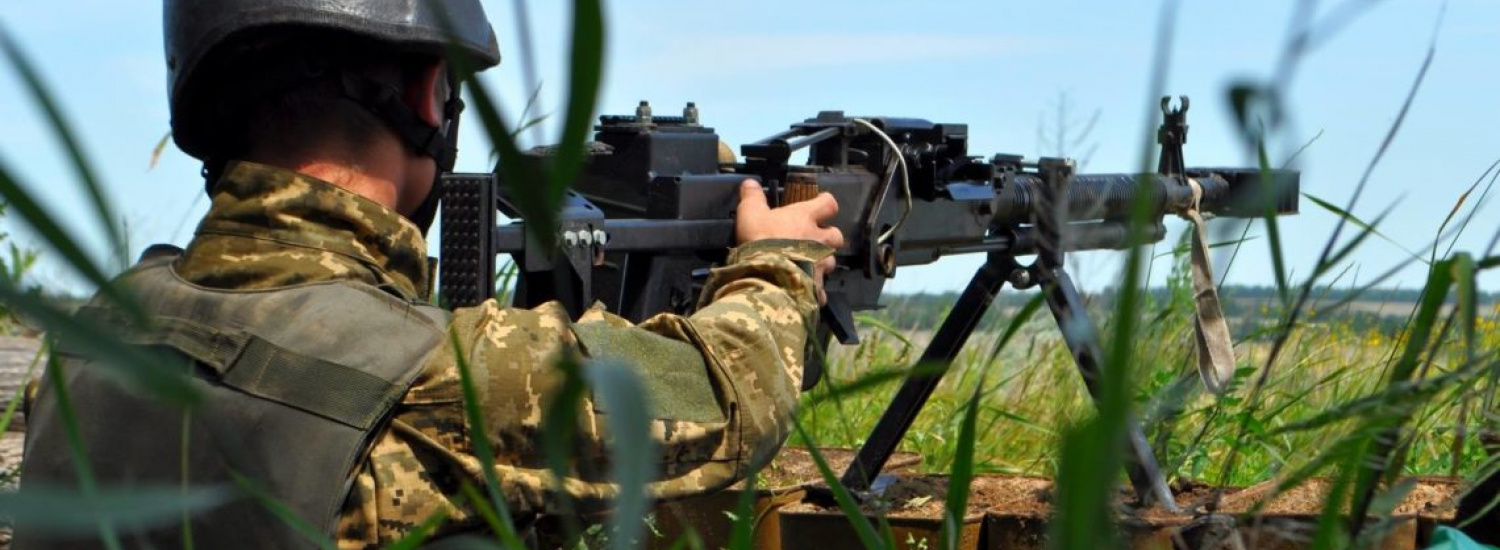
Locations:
column 724, row 380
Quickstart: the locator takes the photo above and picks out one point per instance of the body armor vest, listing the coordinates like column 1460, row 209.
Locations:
column 296, row 381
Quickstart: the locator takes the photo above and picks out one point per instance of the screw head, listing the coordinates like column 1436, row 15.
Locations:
column 1020, row 278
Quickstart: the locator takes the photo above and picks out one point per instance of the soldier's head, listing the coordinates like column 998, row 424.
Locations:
column 283, row 80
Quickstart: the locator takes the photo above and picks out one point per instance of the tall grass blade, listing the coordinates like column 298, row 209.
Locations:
column 184, row 446
column 483, row 508
column 43, row 97
column 1273, row 227
column 864, row 383
column 1398, row 395
column 521, row 172
column 504, row 525
column 466, row 542
column 1494, row 174
column 1092, row 454
column 559, row 433
column 77, row 448
column 1085, row 518
column 156, row 152
column 1371, row 228
column 1184, row 248
column 1377, row 466
column 314, row 535
column 20, row 395
column 961, row 475
column 586, row 68
column 56, row 511
column 868, row 537
column 159, row 375
column 865, row 319
column 528, row 69
column 1235, row 254
column 1343, row 252
column 1016, row 322
column 1294, row 310
column 418, row 535
column 1466, row 289
column 1303, row 149
column 618, row 390
column 1389, row 499
column 1452, row 212
column 1385, row 144
column 1329, row 520
column 742, row 532
column 61, row 241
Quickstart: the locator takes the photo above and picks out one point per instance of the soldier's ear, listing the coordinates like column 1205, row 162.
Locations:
column 427, row 93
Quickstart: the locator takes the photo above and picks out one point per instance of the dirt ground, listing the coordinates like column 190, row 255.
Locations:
column 794, row 466
column 1022, row 496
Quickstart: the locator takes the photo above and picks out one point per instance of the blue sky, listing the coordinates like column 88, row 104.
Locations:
column 1002, row 67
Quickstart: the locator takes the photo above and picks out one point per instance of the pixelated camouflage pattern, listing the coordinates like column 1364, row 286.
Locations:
column 269, row 227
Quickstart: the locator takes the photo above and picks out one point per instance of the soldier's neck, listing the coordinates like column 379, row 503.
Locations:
column 378, row 172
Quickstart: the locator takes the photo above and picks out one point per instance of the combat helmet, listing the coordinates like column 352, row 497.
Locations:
column 202, row 34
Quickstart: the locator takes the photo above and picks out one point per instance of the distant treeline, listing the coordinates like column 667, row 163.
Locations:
column 1340, row 293
column 1249, row 308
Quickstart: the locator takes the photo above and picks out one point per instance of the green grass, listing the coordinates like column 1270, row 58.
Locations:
column 1033, row 389
column 1315, row 395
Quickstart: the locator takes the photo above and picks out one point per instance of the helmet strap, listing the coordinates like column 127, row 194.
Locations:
column 440, row 143
column 385, row 102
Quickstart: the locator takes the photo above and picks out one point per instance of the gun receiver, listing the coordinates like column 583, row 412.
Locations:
column 653, row 211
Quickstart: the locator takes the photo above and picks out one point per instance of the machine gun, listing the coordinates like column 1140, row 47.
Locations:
column 653, row 210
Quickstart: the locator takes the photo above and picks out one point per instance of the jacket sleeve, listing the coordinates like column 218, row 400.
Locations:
column 723, row 382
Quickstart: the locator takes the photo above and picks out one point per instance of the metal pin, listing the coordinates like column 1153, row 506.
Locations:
column 1020, row 278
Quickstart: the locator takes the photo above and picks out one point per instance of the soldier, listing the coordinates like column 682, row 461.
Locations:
column 301, row 304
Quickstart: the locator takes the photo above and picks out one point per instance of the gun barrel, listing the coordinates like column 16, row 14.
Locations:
column 1233, row 193
column 1076, row 236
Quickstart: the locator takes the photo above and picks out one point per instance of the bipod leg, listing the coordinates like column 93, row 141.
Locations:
column 1082, row 338
column 935, row 361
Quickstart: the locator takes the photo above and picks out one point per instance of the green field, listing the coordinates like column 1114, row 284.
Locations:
column 1032, row 390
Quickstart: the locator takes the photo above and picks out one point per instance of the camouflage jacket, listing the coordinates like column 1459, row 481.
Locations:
column 724, row 381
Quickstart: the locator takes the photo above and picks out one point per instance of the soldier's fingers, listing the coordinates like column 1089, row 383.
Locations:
column 752, row 198
column 824, row 266
column 831, row 237
column 823, row 207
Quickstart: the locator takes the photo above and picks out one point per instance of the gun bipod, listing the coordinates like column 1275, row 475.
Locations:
column 936, row 359
column 1078, row 333
column 1081, row 337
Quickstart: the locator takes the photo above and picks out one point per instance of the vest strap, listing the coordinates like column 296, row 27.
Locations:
column 258, row 367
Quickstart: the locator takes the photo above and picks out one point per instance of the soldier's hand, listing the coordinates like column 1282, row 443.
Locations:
column 755, row 220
